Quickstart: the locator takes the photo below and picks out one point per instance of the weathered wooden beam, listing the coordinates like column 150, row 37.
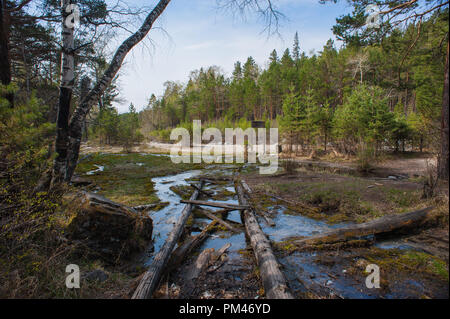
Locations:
column 384, row 225
column 150, row 280
column 273, row 280
column 215, row 204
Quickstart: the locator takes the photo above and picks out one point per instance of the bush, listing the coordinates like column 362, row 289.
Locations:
column 365, row 158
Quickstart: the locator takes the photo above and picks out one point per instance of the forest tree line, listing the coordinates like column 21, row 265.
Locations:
column 385, row 95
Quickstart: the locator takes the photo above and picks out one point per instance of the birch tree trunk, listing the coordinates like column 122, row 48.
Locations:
column 65, row 96
column 75, row 130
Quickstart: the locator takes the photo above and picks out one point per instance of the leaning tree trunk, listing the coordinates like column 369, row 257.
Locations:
column 76, row 123
column 5, row 62
column 71, row 165
column 65, row 97
column 443, row 158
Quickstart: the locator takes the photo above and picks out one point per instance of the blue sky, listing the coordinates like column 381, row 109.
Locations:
column 194, row 33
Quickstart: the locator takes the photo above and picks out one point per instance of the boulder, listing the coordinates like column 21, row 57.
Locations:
column 110, row 230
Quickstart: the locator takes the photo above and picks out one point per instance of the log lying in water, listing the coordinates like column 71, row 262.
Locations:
column 269, row 221
column 189, row 245
column 215, row 204
column 218, row 257
column 220, row 221
column 151, row 278
column 384, row 225
column 201, row 263
column 273, row 279
column 200, row 190
column 207, row 258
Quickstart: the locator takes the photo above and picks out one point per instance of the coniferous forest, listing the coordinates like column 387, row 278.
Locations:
column 92, row 205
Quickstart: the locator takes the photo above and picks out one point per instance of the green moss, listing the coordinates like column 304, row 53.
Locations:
column 127, row 178
column 408, row 261
column 184, row 191
column 339, row 200
column 223, row 194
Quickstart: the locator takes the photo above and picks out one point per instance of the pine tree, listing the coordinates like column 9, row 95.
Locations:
column 296, row 49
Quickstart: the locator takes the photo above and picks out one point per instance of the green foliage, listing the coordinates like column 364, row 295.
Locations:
column 129, row 129
column 120, row 129
column 29, row 221
column 364, row 117
column 25, row 135
column 365, row 97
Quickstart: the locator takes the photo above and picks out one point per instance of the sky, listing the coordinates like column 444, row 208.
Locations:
column 192, row 34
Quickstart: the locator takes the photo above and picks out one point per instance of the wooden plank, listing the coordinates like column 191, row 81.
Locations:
column 273, row 280
column 215, row 204
column 151, row 278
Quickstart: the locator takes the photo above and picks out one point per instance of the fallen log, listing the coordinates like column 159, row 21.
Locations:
column 223, row 213
column 201, row 263
column 151, row 278
column 269, row 221
column 218, row 257
column 384, row 225
column 273, row 280
column 206, row 259
column 200, row 190
column 215, row 204
column 189, row 245
column 220, row 221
